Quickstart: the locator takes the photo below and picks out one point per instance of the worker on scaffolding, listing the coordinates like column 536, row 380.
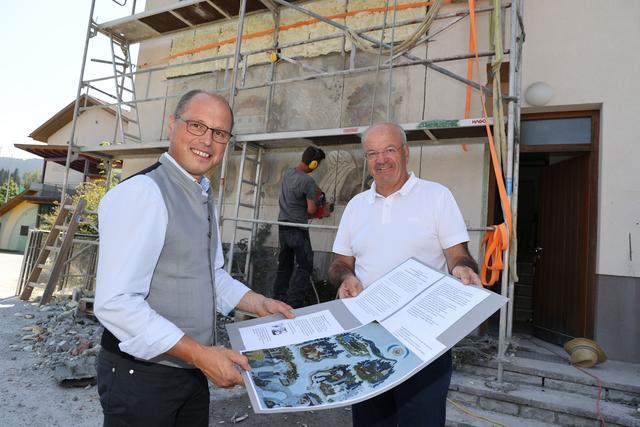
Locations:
column 401, row 216
column 300, row 199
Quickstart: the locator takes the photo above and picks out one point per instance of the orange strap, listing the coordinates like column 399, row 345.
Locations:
column 497, row 240
column 467, row 103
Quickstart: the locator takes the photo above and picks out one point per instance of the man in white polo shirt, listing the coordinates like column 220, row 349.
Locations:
column 401, row 216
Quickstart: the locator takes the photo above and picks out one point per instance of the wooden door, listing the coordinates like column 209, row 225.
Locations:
column 561, row 291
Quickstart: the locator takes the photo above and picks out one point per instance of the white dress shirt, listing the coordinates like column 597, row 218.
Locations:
column 132, row 223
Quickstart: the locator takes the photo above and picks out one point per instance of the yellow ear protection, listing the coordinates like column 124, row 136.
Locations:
column 312, row 157
column 313, row 164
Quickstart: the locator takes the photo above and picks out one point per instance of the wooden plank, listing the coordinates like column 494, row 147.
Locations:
column 64, row 251
column 44, row 253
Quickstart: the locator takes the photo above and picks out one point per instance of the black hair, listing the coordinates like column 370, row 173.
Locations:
column 311, row 154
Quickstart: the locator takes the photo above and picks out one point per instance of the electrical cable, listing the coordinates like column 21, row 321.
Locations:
column 406, row 45
column 603, row 423
column 468, row 412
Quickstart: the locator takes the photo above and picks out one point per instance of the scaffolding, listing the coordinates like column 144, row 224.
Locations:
column 131, row 88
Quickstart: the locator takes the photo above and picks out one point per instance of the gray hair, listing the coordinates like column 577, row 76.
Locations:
column 184, row 100
column 401, row 131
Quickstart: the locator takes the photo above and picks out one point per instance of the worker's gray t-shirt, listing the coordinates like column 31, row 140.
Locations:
column 297, row 187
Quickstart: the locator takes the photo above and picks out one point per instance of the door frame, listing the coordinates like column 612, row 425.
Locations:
column 494, row 213
column 593, row 150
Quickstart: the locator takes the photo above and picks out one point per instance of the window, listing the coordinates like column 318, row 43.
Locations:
column 24, row 230
column 562, row 131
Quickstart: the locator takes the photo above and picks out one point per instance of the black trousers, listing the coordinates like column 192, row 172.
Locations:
column 136, row 393
column 295, row 251
column 419, row 401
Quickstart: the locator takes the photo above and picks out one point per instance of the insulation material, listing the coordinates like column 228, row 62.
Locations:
column 228, row 31
column 219, row 38
column 364, row 19
column 290, row 34
column 368, row 13
column 320, row 29
column 181, row 44
column 204, row 36
column 260, row 29
column 403, row 33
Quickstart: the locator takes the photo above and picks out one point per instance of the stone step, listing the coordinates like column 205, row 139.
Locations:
column 457, row 417
column 539, row 403
column 553, row 376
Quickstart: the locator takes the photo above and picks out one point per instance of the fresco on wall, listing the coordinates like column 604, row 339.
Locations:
column 307, row 104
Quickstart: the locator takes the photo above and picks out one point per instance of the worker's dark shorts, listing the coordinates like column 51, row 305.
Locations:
column 136, row 393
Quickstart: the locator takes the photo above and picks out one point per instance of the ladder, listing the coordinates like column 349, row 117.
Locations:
column 249, row 176
column 125, row 86
column 58, row 245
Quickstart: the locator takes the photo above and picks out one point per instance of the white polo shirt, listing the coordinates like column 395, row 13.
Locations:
column 420, row 220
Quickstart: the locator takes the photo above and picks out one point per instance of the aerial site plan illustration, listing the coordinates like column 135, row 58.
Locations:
column 332, row 370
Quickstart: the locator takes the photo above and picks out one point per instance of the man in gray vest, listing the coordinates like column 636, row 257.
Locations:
column 160, row 280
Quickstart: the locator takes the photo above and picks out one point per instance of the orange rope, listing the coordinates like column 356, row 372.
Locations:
column 286, row 27
column 467, row 104
column 497, row 240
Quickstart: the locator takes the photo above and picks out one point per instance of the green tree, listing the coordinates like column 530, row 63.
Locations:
column 8, row 190
column 15, row 176
column 92, row 192
column 30, row 177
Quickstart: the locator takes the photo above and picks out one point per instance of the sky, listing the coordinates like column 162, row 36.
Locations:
column 43, row 42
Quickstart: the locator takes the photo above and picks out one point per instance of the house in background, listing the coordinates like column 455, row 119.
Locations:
column 23, row 212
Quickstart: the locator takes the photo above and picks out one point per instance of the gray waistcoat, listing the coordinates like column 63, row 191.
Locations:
column 183, row 283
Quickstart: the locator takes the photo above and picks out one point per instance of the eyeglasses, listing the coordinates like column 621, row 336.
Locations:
column 387, row 152
column 196, row 128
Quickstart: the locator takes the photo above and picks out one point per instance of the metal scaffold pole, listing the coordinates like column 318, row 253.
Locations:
column 76, row 108
column 232, row 97
column 507, row 288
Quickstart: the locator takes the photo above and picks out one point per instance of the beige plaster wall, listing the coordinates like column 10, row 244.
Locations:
column 135, row 165
column 587, row 54
column 23, row 214
column 54, row 175
column 94, row 126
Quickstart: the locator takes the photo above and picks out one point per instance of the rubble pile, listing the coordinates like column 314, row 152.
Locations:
column 66, row 339
column 474, row 348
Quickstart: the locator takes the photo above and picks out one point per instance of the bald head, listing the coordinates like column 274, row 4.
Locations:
column 184, row 100
column 393, row 130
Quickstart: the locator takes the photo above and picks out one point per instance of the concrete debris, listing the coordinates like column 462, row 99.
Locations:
column 237, row 419
column 66, row 338
column 77, row 372
column 65, row 342
column 476, row 348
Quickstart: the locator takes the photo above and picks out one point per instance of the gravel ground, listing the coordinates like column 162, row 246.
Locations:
column 34, row 340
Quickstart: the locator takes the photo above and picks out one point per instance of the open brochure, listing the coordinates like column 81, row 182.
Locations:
column 344, row 351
